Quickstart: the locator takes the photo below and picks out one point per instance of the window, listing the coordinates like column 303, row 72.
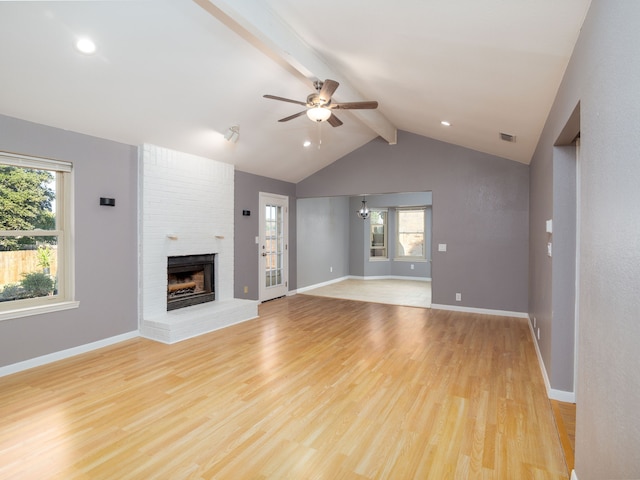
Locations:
column 378, row 235
column 35, row 235
column 411, row 223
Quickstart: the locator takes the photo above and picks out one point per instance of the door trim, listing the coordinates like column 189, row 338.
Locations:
column 283, row 289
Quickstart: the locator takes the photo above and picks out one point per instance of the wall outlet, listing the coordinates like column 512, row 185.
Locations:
column 442, row 247
column 412, row 266
column 458, row 297
column 534, row 322
column 246, row 289
column 538, row 333
column 330, row 269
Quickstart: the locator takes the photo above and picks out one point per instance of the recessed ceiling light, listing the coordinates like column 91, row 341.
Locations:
column 306, row 143
column 86, row 46
column 445, row 123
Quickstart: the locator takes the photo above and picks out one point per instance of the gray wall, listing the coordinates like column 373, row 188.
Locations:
column 563, row 269
column 358, row 238
column 552, row 279
column 480, row 210
column 601, row 76
column 105, row 243
column 246, row 229
column 323, row 239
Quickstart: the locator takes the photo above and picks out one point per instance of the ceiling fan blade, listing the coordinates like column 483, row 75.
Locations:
column 282, row 99
column 291, row 117
column 328, row 88
column 354, row 105
column 334, row 121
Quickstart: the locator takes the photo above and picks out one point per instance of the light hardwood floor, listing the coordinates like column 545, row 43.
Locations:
column 565, row 416
column 315, row 388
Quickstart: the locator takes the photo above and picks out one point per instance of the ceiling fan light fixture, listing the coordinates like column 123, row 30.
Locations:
column 319, row 105
column 319, row 114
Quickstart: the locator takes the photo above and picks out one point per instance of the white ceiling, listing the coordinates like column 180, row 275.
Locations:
column 178, row 73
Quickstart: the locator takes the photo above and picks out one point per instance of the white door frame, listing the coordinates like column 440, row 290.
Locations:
column 281, row 286
column 576, row 327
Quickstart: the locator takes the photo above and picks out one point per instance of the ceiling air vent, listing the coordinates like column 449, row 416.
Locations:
column 507, row 138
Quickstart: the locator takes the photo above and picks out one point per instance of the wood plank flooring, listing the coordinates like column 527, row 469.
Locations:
column 315, row 388
column 565, row 417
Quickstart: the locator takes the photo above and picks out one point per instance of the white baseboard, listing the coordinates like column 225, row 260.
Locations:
column 390, row 277
column 574, row 475
column 561, row 395
column 484, row 311
column 61, row 355
column 323, row 284
column 552, row 393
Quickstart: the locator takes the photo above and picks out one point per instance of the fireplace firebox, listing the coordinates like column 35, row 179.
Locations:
column 190, row 280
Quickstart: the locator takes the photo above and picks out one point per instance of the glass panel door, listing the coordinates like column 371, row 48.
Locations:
column 273, row 246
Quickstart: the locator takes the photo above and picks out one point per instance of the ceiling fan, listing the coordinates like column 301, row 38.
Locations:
column 319, row 104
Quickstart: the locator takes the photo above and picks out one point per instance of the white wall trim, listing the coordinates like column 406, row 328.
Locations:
column 322, row 284
column 552, row 393
column 49, row 307
column 543, row 370
column 484, row 311
column 389, row 277
column 61, row 355
column 562, row 396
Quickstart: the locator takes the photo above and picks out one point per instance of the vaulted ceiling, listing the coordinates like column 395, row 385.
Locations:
column 179, row 73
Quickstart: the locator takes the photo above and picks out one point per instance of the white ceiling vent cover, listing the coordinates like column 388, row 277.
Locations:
column 507, row 137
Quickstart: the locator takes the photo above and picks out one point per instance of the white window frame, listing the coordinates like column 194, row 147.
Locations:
column 65, row 298
column 411, row 258
column 386, row 236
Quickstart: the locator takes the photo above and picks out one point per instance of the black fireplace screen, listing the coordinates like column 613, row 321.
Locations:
column 190, row 280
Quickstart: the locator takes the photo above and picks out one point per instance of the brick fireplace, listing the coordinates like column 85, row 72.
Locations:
column 186, row 204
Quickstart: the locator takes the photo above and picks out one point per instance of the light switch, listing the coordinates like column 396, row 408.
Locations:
column 442, row 247
column 549, row 226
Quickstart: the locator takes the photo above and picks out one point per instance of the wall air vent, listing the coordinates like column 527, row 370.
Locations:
column 507, row 138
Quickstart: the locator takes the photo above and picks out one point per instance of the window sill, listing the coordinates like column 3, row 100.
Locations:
column 411, row 259
column 378, row 259
column 39, row 309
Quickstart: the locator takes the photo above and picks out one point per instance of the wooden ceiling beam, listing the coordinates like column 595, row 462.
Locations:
column 254, row 22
